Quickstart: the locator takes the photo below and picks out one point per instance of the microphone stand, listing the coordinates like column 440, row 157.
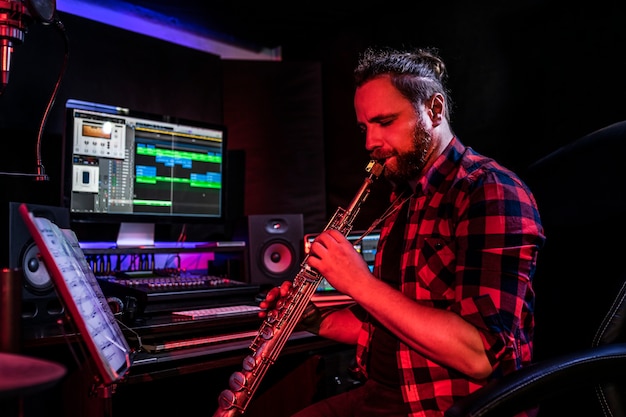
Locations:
column 40, row 174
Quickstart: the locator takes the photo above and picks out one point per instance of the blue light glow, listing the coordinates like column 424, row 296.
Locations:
column 150, row 23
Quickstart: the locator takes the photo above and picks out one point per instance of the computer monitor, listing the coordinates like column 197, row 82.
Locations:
column 138, row 169
column 367, row 247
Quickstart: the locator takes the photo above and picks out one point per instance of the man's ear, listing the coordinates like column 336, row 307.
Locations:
column 436, row 109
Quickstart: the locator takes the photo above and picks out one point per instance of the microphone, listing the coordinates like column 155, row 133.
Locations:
column 15, row 16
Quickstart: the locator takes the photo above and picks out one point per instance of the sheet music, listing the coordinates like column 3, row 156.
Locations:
column 74, row 278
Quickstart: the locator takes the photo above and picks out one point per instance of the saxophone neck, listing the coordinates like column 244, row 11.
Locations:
column 375, row 169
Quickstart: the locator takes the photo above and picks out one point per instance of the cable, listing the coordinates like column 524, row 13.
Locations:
column 40, row 174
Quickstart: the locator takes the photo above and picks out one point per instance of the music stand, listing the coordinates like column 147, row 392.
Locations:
column 80, row 292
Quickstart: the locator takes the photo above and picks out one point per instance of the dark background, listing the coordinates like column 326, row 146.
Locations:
column 526, row 78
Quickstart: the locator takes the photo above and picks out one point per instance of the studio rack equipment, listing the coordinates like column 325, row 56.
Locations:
column 142, row 289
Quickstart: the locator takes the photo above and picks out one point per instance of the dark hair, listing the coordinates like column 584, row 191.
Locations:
column 417, row 73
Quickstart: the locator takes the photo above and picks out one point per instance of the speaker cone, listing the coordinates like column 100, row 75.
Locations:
column 36, row 277
column 277, row 257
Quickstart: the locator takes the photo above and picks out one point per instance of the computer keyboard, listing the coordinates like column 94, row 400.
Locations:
column 218, row 311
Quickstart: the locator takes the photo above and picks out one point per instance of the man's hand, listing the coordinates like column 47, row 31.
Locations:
column 311, row 317
column 273, row 297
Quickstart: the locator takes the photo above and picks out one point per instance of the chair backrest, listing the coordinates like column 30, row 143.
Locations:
column 612, row 394
column 581, row 193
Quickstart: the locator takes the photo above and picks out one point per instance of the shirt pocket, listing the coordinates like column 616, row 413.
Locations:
column 435, row 268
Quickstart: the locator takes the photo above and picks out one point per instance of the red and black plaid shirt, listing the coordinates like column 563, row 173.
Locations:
column 470, row 247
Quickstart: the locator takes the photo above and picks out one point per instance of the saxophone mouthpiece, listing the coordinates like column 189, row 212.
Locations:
column 375, row 168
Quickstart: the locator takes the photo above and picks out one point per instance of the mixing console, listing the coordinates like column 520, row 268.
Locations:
column 151, row 293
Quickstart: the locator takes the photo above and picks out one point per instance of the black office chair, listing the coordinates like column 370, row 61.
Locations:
column 580, row 337
column 601, row 368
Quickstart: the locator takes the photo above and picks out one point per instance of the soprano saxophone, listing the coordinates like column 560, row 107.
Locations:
column 280, row 322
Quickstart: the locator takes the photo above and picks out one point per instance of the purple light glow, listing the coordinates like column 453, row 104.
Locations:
column 146, row 22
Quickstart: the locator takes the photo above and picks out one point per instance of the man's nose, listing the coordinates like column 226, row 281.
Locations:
column 372, row 140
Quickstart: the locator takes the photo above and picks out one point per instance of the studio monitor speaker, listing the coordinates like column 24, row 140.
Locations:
column 40, row 303
column 275, row 245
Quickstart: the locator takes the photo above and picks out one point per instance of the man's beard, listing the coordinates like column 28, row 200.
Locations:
column 409, row 165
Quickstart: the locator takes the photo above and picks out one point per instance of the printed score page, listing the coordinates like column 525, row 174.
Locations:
column 81, row 294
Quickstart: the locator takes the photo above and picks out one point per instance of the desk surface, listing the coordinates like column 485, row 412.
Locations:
column 147, row 365
column 23, row 375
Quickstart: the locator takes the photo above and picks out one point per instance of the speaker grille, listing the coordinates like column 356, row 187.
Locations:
column 275, row 243
column 277, row 257
column 40, row 303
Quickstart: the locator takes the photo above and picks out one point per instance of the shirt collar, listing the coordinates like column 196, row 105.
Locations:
column 439, row 170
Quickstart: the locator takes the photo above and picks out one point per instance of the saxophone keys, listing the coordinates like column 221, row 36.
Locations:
column 267, row 333
column 237, row 381
column 249, row 363
column 226, row 399
column 272, row 316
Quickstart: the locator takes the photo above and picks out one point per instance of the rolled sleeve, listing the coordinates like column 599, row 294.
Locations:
column 482, row 313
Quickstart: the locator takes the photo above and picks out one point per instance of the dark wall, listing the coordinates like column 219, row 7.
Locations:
column 525, row 77
column 274, row 114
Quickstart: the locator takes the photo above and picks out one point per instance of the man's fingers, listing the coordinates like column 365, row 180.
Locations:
column 272, row 297
column 284, row 288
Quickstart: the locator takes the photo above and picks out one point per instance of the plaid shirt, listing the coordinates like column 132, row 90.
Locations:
column 471, row 247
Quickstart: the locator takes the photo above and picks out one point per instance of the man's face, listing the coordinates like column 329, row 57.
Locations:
column 394, row 133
